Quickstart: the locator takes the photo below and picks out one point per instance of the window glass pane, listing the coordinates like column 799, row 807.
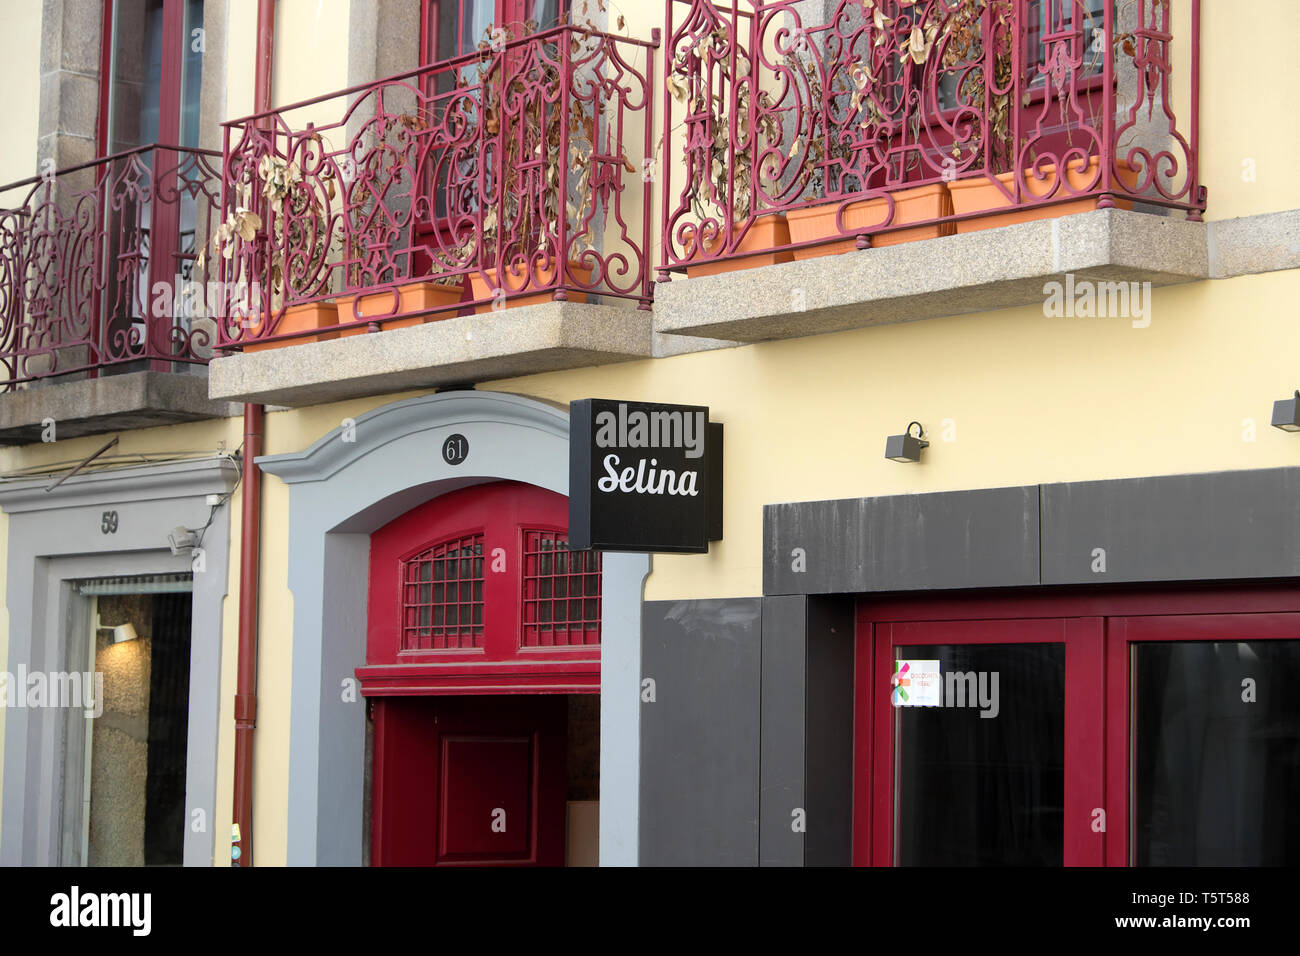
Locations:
column 191, row 74
column 476, row 17
column 135, row 91
column 980, row 780
column 1216, row 753
column 136, row 80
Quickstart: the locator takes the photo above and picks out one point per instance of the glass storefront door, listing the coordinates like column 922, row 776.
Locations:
column 1211, row 757
column 984, row 752
column 1115, row 739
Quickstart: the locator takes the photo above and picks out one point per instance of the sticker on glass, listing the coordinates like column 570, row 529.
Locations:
column 917, row 684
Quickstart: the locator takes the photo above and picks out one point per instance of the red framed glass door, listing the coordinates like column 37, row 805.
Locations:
column 1203, row 750
column 1127, row 728
column 994, row 758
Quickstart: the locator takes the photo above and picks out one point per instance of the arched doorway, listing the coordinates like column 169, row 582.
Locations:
column 483, row 650
column 341, row 490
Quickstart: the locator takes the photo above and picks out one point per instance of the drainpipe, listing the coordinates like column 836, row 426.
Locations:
column 251, row 530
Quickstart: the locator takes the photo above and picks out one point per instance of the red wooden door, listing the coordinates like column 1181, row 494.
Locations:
column 469, row 781
column 1005, row 769
column 480, row 622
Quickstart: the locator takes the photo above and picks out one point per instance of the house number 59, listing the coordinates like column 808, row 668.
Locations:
column 108, row 523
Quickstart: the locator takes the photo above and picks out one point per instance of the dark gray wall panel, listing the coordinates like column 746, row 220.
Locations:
column 1221, row 525
column 785, row 643
column 944, row 540
column 829, row 732
column 700, row 738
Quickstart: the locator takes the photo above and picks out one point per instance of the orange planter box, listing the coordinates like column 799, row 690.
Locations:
column 910, row 205
column 979, row 193
column 300, row 318
column 764, row 233
column 413, row 297
column 483, row 284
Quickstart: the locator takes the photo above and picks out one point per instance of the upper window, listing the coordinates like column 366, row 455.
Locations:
column 561, row 592
column 483, row 573
column 453, row 27
column 442, row 601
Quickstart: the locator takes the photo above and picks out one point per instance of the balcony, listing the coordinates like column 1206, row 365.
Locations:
column 814, row 169
column 481, row 217
column 825, row 150
column 99, row 331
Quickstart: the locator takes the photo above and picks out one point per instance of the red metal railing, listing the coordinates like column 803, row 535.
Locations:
column 521, row 169
column 96, row 262
column 766, row 113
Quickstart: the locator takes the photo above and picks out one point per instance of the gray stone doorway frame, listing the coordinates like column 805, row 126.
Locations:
column 58, row 537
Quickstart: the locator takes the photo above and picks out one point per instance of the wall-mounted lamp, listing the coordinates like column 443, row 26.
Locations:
column 1286, row 413
column 906, row 447
column 182, row 539
column 121, row 633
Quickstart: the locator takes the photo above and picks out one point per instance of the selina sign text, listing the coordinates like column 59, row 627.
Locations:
column 643, row 477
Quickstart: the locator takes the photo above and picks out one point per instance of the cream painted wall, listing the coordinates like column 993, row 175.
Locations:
column 311, row 58
column 20, row 52
column 1249, row 74
column 241, row 34
column 1031, row 399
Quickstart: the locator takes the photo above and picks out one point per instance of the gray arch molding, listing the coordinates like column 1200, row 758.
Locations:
column 351, row 482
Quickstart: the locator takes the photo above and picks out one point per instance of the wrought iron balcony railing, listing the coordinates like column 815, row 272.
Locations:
column 520, row 171
column 96, row 262
column 895, row 119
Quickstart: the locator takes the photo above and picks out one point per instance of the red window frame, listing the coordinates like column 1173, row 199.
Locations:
column 173, row 52
column 1098, row 629
column 511, row 13
column 503, row 512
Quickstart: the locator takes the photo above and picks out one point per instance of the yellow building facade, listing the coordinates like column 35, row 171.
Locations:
column 956, row 333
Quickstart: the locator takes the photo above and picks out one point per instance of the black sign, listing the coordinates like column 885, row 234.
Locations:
column 455, row 449
column 644, row 477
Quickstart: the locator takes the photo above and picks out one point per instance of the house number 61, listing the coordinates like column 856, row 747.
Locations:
column 108, row 523
column 455, row 449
